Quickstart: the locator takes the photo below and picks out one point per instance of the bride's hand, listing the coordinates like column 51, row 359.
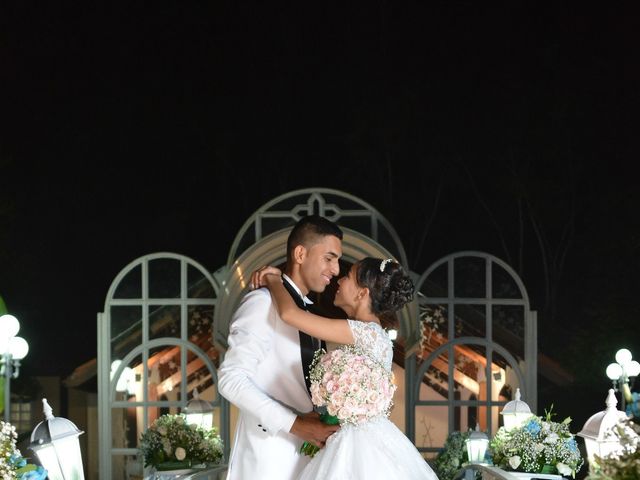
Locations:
column 260, row 277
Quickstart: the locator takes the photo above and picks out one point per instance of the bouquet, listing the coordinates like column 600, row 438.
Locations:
column 538, row 446
column 350, row 387
column 170, row 443
column 12, row 464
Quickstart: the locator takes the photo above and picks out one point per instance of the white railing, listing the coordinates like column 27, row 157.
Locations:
column 216, row 473
column 494, row 473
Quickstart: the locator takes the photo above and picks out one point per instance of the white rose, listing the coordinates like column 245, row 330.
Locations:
column 514, row 462
column 563, row 469
column 180, row 453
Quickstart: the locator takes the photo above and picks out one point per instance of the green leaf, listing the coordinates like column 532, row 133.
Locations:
column 27, row 468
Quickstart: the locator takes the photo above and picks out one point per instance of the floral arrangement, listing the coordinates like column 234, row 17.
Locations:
column 12, row 464
column 540, row 445
column 452, row 456
column 171, row 443
column 626, row 464
column 349, row 387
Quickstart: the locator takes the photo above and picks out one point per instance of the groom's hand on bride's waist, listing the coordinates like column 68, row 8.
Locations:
column 310, row 429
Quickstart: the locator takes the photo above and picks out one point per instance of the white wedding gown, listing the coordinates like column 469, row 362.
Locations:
column 376, row 450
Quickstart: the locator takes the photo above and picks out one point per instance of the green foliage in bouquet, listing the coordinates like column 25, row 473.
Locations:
column 626, row 464
column 540, row 445
column 452, row 456
column 171, row 442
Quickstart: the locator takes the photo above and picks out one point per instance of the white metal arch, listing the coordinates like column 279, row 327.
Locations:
column 271, row 250
column 107, row 400
column 262, row 240
column 474, row 253
column 451, row 402
column 341, row 207
column 158, row 342
column 447, row 347
column 415, row 370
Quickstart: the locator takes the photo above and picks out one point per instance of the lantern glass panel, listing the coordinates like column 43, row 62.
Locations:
column 62, row 459
column 476, row 449
column 514, row 420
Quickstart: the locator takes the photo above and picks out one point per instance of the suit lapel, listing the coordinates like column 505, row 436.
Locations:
column 307, row 348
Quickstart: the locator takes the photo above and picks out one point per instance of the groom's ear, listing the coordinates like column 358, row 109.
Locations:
column 299, row 253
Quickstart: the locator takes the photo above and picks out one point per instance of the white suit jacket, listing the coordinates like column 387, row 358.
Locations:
column 262, row 375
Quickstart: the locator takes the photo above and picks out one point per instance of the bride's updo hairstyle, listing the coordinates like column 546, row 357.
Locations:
column 390, row 288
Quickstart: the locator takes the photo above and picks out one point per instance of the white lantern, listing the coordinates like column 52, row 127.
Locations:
column 633, row 368
column 55, row 441
column 515, row 412
column 12, row 350
column 199, row 412
column 621, row 371
column 614, row 371
column 18, row 348
column 599, row 436
column 477, row 444
column 623, row 356
column 9, row 326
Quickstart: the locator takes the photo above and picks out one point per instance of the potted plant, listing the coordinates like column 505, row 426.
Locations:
column 170, row 443
column 540, row 446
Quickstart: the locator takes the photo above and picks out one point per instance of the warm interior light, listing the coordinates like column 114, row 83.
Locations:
column 127, row 376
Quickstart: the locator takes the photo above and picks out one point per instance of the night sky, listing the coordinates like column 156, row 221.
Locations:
column 130, row 128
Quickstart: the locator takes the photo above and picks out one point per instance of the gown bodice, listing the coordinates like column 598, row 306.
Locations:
column 373, row 340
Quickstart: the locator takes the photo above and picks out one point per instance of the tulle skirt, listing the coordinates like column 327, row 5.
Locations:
column 376, row 450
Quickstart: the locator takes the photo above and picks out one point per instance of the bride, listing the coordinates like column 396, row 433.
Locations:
column 376, row 449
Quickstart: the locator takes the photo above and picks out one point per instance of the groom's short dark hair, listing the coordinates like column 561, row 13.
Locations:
column 309, row 229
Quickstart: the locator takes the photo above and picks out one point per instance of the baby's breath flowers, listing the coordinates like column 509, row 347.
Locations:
column 539, row 446
column 12, row 464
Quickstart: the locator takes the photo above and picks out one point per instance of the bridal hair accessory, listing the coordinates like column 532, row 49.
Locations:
column 383, row 263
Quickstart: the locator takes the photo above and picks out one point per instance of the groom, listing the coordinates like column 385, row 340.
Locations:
column 265, row 369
